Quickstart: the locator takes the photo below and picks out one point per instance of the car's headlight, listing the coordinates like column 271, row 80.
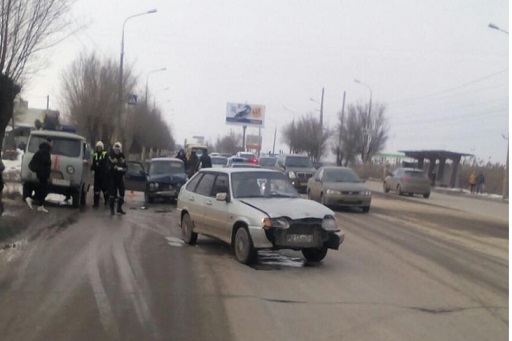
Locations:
column 153, row 185
column 329, row 223
column 333, row 191
column 366, row 193
column 291, row 175
column 70, row 169
column 280, row 223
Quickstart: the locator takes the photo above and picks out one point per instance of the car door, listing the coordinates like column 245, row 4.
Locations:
column 135, row 177
column 218, row 211
column 190, row 201
column 393, row 180
column 202, row 200
column 319, row 184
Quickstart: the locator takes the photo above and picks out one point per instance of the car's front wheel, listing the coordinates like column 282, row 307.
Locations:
column 385, row 187
column 315, row 255
column 148, row 198
column 244, row 250
column 366, row 209
column 187, row 233
column 426, row 195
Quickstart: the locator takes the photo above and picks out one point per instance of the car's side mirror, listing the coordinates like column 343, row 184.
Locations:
column 223, row 196
column 141, row 172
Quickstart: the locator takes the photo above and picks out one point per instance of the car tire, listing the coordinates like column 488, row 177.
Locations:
column 399, row 190
column 309, row 195
column 385, row 187
column 426, row 195
column 187, row 233
column 315, row 255
column 83, row 197
column 244, row 249
column 366, row 209
column 75, row 198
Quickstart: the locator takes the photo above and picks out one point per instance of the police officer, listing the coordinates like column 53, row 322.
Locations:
column 116, row 169
column 99, row 166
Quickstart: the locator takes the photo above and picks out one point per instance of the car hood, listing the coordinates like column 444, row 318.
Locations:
column 345, row 186
column 294, row 208
column 168, row 178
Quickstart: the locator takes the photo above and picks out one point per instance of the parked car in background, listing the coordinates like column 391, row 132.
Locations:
column 407, row 180
column 250, row 157
column 165, row 177
column 244, row 165
column 298, row 168
column 218, row 161
column 253, row 209
column 235, row 159
column 339, row 187
column 268, row 162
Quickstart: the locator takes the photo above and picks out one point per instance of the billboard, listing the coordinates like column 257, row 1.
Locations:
column 245, row 114
column 253, row 142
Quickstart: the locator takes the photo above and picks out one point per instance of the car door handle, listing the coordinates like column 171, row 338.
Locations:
column 208, row 202
column 191, row 199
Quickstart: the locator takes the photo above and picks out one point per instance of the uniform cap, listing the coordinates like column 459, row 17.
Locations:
column 100, row 144
column 118, row 145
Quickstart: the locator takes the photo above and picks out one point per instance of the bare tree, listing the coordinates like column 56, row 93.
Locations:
column 363, row 135
column 26, row 27
column 230, row 143
column 306, row 136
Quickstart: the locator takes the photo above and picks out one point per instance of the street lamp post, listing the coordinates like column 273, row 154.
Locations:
column 147, row 81
column 122, row 53
column 491, row 25
column 366, row 150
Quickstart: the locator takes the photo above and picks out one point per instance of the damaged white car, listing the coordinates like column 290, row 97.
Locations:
column 254, row 209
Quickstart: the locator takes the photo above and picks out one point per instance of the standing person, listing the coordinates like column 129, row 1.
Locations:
column 2, row 168
column 41, row 164
column 472, row 182
column 116, row 170
column 99, row 166
column 480, row 180
column 181, row 155
column 206, row 160
column 193, row 163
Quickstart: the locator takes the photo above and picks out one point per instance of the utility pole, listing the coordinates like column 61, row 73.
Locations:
column 47, row 102
column 505, row 176
column 339, row 156
column 321, row 133
column 243, row 138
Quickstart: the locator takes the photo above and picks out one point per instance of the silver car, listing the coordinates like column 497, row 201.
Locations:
column 339, row 187
column 253, row 209
column 407, row 180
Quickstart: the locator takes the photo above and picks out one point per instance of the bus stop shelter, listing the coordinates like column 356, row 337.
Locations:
column 437, row 155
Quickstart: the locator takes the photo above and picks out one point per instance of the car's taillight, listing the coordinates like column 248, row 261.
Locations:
column 253, row 160
column 405, row 178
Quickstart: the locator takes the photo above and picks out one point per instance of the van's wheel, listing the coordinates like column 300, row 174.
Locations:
column 83, row 197
column 244, row 250
column 399, row 190
column 315, row 255
column 75, row 198
column 188, row 235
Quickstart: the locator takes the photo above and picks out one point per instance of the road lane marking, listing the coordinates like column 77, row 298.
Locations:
column 173, row 241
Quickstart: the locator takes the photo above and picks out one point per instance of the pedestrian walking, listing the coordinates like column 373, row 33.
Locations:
column 193, row 164
column 472, row 182
column 205, row 161
column 41, row 164
column 116, row 171
column 480, row 183
column 99, row 167
column 181, row 155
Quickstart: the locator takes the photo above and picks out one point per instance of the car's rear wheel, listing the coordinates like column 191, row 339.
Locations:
column 244, row 250
column 399, row 190
column 426, row 195
column 148, row 198
column 187, row 233
column 315, row 255
column 76, row 198
column 366, row 209
column 385, row 187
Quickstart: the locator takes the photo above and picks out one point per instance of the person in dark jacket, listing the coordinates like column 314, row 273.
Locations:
column 41, row 164
column 181, row 155
column 116, row 171
column 99, row 166
column 205, row 161
column 193, row 164
column 2, row 168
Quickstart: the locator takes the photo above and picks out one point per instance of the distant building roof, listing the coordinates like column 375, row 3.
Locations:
column 426, row 154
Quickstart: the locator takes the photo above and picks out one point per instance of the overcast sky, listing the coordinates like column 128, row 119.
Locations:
column 436, row 65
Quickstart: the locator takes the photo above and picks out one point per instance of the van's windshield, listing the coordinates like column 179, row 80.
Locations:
column 60, row 145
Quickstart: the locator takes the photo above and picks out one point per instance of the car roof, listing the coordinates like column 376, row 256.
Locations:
column 165, row 159
column 55, row 133
column 228, row 170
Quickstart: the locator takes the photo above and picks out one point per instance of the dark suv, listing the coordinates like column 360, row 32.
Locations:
column 298, row 168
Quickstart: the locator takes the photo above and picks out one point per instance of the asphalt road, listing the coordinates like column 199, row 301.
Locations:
column 406, row 271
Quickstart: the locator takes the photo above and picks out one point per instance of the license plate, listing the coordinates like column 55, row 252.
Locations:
column 304, row 183
column 299, row 238
column 61, row 182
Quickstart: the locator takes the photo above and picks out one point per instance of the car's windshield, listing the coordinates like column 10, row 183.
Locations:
column 416, row 174
column 218, row 160
column 298, row 161
column 340, row 175
column 60, row 145
column 267, row 161
column 166, row 167
column 262, row 184
column 247, row 155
